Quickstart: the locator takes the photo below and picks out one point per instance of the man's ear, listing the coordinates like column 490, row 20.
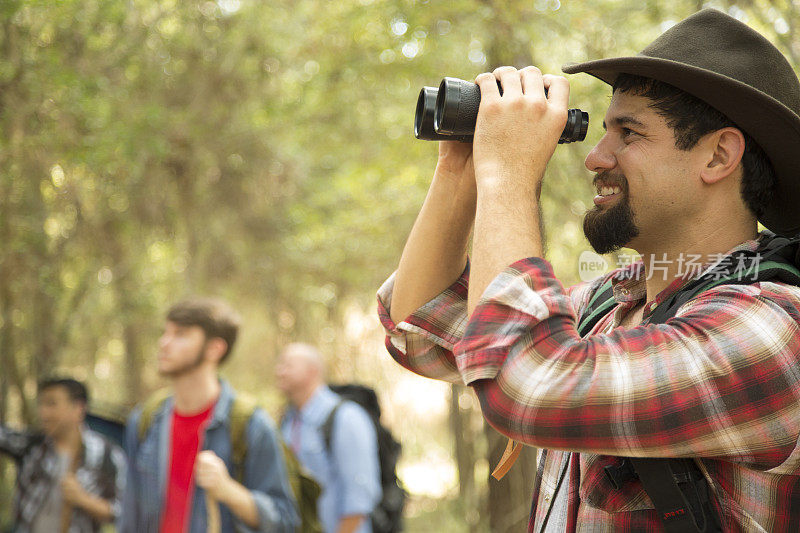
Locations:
column 725, row 148
column 83, row 410
column 216, row 348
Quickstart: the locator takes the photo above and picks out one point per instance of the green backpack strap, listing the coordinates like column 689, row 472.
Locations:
column 149, row 409
column 242, row 409
column 601, row 303
column 305, row 488
column 774, row 269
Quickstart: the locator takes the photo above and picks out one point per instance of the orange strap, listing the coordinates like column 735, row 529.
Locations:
column 507, row 460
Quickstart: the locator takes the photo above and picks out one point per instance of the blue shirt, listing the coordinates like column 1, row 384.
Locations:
column 349, row 472
column 264, row 472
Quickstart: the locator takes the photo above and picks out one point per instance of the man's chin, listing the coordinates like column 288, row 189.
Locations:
column 608, row 230
column 169, row 372
column 176, row 372
column 606, row 246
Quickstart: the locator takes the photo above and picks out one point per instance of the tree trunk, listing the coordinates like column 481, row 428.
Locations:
column 464, row 444
column 509, row 499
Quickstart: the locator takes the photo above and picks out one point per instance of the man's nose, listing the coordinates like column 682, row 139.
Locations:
column 601, row 157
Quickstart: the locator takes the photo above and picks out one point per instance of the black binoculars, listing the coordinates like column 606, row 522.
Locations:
column 449, row 114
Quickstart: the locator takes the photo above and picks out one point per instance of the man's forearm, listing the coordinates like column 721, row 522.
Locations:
column 98, row 508
column 350, row 523
column 436, row 251
column 241, row 503
column 508, row 227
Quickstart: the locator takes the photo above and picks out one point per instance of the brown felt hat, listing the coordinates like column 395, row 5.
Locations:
column 736, row 70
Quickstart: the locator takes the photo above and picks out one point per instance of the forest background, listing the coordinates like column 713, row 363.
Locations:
column 263, row 152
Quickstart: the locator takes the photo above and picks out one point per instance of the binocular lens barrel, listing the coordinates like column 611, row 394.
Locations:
column 450, row 112
column 424, row 123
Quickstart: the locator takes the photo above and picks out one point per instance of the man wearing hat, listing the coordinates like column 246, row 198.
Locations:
column 702, row 136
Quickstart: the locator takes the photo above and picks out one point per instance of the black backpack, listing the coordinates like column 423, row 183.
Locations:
column 387, row 517
column 677, row 487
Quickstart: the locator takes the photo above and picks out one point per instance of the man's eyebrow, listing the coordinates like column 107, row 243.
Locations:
column 624, row 120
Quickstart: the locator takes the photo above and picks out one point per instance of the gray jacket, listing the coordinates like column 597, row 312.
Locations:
column 264, row 472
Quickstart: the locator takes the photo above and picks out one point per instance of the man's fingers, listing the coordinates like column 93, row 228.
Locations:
column 488, row 84
column 557, row 90
column 532, row 84
column 509, row 80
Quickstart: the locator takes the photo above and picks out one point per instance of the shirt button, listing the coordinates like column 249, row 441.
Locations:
column 547, row 498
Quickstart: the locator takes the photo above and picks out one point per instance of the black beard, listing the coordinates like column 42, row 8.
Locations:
column 609, row 229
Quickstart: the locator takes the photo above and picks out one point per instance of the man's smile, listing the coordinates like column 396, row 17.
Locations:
column 607, row 194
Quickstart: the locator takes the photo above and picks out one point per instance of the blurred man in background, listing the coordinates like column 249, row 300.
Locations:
column 69, row 478
column 347, row 466
column 183, row 472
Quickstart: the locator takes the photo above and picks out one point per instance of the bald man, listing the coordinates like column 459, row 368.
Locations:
column 348, row 470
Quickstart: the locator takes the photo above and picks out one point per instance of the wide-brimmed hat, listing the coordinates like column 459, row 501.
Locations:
column 736, row 70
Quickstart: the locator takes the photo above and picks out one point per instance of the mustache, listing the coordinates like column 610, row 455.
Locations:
column 610, row 179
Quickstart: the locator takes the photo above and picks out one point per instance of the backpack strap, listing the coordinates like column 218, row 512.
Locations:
column 763, row 268
column 679, row 492
column 602, row 301
column 327, row 426
column 242, row 409
column 149, row 410
column 305, row 488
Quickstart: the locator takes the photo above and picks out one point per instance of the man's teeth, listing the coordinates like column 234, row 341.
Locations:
column 607, row 191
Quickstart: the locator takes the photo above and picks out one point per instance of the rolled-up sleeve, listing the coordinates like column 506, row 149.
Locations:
column 355, row 449
column 424, row 341
column 266, row 478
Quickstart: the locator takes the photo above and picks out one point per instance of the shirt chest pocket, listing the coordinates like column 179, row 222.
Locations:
column 623, row 494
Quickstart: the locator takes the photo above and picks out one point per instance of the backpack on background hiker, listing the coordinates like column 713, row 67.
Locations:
column 387, row 517
column 305, row 488
column 677, row 487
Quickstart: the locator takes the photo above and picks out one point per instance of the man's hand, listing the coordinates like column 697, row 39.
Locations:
column 455, row 163
column 515, row 137
column 71, row 490
column 350, row 523
column 516, row 133
column 75, row 495
column 211, row 474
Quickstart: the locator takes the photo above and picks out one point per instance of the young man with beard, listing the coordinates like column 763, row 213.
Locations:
column 69, row 478
column 700, row 144
column 180, row 447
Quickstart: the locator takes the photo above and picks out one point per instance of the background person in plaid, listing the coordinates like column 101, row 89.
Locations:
column 700, row 144
column 69, row 478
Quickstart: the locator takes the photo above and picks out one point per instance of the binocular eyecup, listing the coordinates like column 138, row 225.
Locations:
column 450, row 112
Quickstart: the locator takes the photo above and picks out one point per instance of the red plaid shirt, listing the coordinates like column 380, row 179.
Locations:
column 720, row 381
